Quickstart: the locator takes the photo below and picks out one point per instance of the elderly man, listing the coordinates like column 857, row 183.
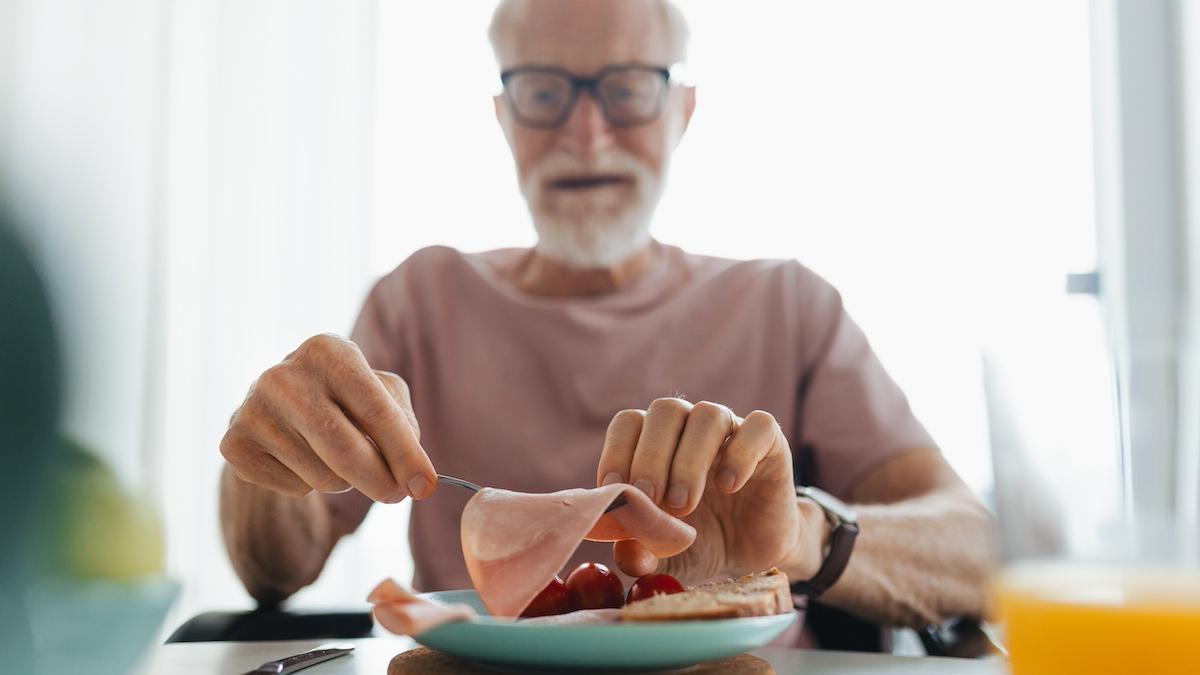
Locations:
column 575, row 363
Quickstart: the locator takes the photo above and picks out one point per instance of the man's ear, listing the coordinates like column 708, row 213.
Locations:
column 502, row 117
column 689, row 105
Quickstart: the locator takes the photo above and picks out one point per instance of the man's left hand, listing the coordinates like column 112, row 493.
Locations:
column 729, row 477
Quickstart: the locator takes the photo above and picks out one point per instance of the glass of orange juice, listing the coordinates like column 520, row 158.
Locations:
column 1089, row 582
column 1096, row 618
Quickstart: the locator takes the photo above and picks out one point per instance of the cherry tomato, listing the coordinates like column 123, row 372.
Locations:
column 594, row 586
column 652, row 585
column 553, row 599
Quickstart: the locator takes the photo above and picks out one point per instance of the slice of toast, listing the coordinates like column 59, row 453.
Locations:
column 752, row 595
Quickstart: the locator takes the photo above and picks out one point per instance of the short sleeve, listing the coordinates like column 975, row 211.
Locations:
column 852, row 414
column 400, row 307
column 375, row 330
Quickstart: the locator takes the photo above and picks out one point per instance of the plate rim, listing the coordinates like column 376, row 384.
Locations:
column 476, row 640
column 489, row 620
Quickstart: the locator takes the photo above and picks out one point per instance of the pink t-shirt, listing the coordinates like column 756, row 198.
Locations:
column 515, row 391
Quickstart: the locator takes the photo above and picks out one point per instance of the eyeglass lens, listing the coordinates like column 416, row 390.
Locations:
column 627, row 97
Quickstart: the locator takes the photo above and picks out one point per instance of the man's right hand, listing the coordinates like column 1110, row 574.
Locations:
column 323, row 420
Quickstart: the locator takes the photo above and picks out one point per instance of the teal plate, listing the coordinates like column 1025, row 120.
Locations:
column 620, row 646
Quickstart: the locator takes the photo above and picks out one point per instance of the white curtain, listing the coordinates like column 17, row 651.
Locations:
column 268, row 157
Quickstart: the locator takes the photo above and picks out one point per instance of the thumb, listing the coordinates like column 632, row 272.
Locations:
column 634, row 559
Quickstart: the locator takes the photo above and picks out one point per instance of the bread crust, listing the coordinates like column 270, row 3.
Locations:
column 761, row 594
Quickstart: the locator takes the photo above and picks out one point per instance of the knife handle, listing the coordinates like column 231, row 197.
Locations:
column 292, row 664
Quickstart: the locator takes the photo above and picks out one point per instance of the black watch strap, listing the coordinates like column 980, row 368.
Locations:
column 841, row 544
column 844, row 522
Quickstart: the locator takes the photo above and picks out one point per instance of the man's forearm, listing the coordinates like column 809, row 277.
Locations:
column 918, row 562
column 277, row 544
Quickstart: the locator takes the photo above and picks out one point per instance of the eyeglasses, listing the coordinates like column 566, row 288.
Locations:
column 543, row 97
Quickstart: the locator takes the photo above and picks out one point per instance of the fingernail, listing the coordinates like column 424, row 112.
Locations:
column 419, row 486
column 645, row 486
column 726, row 478
column 677, row 496
column 611, row 477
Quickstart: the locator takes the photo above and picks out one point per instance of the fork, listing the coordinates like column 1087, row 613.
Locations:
column 473, row 487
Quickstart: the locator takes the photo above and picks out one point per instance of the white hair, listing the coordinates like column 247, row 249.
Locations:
column 601, row 227
column 674, row 23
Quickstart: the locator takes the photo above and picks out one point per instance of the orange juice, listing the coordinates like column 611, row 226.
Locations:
column 1063, row 619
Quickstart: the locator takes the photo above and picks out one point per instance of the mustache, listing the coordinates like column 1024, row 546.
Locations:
column 563, row 170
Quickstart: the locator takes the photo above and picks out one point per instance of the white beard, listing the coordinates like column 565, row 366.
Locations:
column 594, row 228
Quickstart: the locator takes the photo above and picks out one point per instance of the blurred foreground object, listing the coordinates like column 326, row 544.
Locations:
column 81, row 561
column 1087, row 617
column 102, row 597
column 1086, row 586
column 104, row 532
column 105, row 562
column 29, row 403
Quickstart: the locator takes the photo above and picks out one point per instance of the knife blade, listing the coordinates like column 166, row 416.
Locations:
column 291, row 664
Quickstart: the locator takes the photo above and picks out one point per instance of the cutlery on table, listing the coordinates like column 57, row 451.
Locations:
column 291, row 664
column 458, row 482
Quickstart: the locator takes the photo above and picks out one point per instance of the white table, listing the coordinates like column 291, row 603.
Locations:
column 372, row 656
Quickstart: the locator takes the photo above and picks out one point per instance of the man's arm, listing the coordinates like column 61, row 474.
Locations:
column 279, row 544
column 924, row 551
column 312, row 427
column 923, row 554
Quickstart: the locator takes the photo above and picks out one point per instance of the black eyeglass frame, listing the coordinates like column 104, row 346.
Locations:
column 588, row 84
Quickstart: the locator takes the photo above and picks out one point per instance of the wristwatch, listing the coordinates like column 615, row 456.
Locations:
column 844, row 524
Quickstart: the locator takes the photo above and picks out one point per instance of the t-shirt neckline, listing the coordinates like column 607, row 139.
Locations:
column 666, row 270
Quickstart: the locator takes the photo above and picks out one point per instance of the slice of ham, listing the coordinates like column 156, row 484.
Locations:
column 514, row 542
column 405, row 613
column 582, row 616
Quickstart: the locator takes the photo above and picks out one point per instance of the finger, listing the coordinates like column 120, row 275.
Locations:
column 367, row 402
column 340, row 445
column 633, row 559
column 665, row 419
column 409, row 462
column 708, row 425
column 291, row 450
column 619, row 443
column 398, row 389
column 251, row 463
column 754, row 438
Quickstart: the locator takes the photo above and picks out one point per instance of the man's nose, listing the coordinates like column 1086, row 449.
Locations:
column 586, row 132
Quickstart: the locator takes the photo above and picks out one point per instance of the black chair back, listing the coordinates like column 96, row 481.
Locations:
column 264, row 625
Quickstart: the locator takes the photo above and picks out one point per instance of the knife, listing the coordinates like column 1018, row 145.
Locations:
column 291, row 664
